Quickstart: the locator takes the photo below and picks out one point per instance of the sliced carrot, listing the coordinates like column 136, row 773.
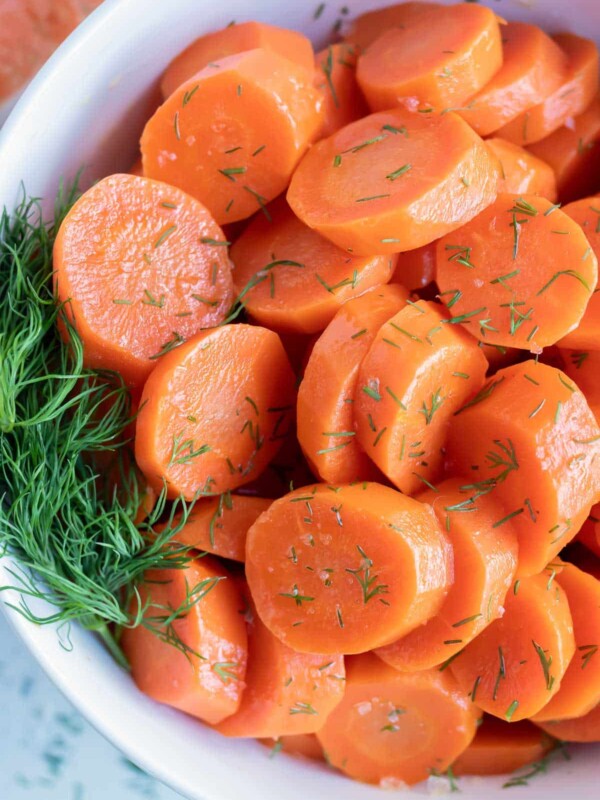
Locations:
column 290, row 278
column 214, row 411
column 191, row 650
column 485, row 561
column 589, row 535
column 326, row 395
column 583, row 366
column 533, row 67
column 438, row 60
column 335, row 76
column 419, row 370
column 580, row 729
column 586, row 212
column 573, row 153
column 140, row 266
column 521, row 172
column 286, row 693
column 499, row 748
column 264, row 112
column 516, row 665
column 395, row 728
column 136, row 168
column 345, row 569
column 492, row 278
column 571, row 98
column 234, row 39
column 415, row 269
column 530, row 438
column 393, row 181
column 305, row 745
column 367, row 27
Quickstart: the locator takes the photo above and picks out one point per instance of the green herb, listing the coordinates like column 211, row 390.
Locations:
column 429, row 411
column 392, row 176
column 296, row 596
column 367, row 582
column 327, row 67
column 225, row 671
column 230, row 172
column 303, row 708
column 571, row 273
column 510, row 711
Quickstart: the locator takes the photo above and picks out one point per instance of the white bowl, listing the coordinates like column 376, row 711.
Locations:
column 86, row 108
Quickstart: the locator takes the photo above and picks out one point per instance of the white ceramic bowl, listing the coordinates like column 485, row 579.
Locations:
column 87, row 108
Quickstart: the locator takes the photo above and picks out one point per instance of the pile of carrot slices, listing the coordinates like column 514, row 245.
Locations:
column 354, row 295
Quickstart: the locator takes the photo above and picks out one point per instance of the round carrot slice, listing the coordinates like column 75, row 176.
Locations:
column 235, row 39
column 580, row 729
column 521, row 172
column 326, row 395
column 586, row 212
column 492, row 278
column 485, row 561
column 286, row 693
column 499, row 748
column 190, row 651
column 345, row 569
column 583, row 366
column 264, row 114
column 418, row 371
column 290, row 278
column 573, row 153
column 336, row 77
column 533, row 66
column 571, row 98
column 516, row 665
column 141, row 267
column 395, row 728
column 365, row 28
column 530, row 438
column 415, row 269
column 394, row 181
column 214, row 411
column 438, row 60
column 580, row 688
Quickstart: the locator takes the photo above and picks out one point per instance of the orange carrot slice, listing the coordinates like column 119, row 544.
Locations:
column 367, row 27
column 335, row 76
column 571, row 98
column 305, row 745
column 438, row 60
column 191, row 650
column 580, row 729
column 573, row 153
column 485, row 561
column 415, row 269
column 292, row 279
column 140, row 266
column 326, row 395
column 345, row 569
column 528, row 302
column 417, row 373
column 234, row 39
column 530, row 438
column 393, row 181
column 264, row 114
column 521, row 172
column 214, row 411
column 395, row 728
column 516, row 665
column 583, row 366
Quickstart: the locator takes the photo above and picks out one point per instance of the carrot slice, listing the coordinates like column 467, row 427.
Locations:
column 395, row 728
column 140, row 267
column 438, row 60
column 234, row 39
column 335, row 76
column 528, row 302
column 367, row 27
column 571, row 98
column 415, row 269
column 485, row 561
column 580, row 729
column 580, row 688
column 586, row 212
column 292, row 279
column 589, row 535
column 345, row 569
column 191, row 651
column 499, row 748
column 264, row 114
column 326, row 395
column 393, row 181
column 214, row 411
column 583, row 366
column 287, row 693
column 533, row 67
column 573, row 153
column 305, row 745
column 521, row 172
column 530, row 438
column 516, row 665
column 417, row 373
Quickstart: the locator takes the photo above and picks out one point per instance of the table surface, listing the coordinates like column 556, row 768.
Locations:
column 47, row 750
